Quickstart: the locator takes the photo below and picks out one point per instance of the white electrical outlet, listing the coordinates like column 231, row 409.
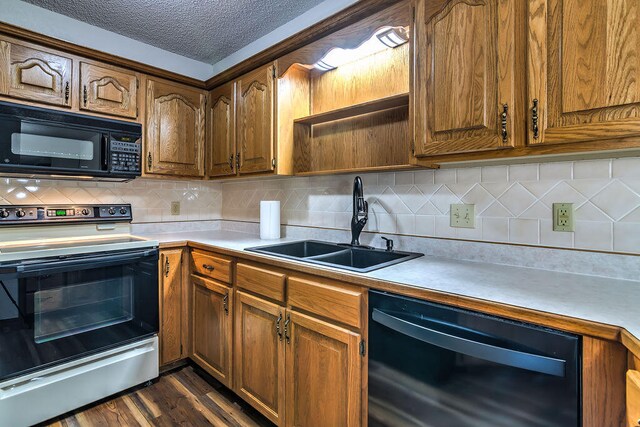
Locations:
column 175, row 208
column 463, row 216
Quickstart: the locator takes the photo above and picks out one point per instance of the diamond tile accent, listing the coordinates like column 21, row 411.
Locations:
column 616, row 200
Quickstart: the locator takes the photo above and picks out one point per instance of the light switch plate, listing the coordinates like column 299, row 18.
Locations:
column 463, row 216
column 563, row 217
column 175, row 208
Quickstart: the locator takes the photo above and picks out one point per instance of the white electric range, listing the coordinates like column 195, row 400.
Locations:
column 78, row 308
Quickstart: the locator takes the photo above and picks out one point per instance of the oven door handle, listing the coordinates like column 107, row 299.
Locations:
column 50, row 267
column 480, row 350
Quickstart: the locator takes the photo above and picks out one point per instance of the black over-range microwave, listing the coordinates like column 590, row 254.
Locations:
column 41, row 142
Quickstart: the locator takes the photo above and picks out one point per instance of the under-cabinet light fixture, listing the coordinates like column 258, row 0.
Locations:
column 385, row 38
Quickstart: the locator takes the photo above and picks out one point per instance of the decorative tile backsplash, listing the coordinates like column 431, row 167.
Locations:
column 150, row 199
column 513, row 203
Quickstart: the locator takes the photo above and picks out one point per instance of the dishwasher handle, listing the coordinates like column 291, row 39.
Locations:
column 480, row 350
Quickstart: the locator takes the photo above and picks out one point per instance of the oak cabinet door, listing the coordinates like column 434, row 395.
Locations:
column 323, row 374
column 583, row 70
column 170, row 306
column 211, row 338
column 175, row 129
column 34, row 74
column 221, row 139
column 259, row 368
column 464, row 77
column 108, row 90
column 255, row 120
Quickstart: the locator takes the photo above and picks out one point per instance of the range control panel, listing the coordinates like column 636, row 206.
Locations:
column 59, row 214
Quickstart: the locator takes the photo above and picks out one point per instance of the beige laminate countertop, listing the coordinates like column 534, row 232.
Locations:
column 607, row 301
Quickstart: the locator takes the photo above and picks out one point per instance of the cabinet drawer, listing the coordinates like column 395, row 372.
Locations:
column 209, row 265
column 327, row 299
column 267, row 283
column 633, row 398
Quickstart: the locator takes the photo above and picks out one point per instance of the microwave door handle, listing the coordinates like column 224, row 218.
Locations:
column 51, row 267
column 480, row 350
column 105, row 152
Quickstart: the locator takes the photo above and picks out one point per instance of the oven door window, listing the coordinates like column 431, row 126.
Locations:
column 60, row 310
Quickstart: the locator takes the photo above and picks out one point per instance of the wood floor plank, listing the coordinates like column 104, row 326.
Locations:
column 179, row 398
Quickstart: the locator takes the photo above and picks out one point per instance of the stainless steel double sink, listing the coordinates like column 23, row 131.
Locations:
column 353, row 258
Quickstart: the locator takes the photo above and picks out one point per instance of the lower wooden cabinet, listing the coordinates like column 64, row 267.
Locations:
column 259, row 355
column 323, row 373
column 212, row 327
column 173, row 310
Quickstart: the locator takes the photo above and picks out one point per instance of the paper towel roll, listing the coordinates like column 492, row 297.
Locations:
column 269, row 219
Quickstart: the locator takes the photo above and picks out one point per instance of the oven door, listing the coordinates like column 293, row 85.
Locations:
column 56, row 310
column 28, row 146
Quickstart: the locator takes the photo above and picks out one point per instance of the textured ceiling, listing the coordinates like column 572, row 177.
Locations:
column 206, row 30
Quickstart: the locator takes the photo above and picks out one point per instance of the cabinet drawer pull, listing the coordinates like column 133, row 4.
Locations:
column 225, row 303
column 286, row 329
column 167, row 267
column 534, row 123
column 208, row 267
column 278, row 331
column 503, row 121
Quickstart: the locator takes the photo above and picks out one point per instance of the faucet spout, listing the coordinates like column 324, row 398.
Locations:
column 360, row 211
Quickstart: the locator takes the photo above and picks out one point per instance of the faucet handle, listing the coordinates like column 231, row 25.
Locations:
column 389, row 243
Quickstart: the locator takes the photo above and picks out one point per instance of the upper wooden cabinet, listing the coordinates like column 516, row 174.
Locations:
column 175, row 129
column 464, row 77
column 583, row 70
column 35, row 74
column 108, row 90
column 221, row 140
column 255, row 120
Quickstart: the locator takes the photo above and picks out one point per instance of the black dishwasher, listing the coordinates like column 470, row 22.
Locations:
column 440, row 366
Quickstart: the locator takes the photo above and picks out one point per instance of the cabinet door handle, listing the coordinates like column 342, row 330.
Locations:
column 149, row 161
column 503, row 121
column 534, row 119
column 84, row 95
column 238, row 161
column 208, row 267
column 286, row 329
column 278, row 331
column 231, row 162
column 66, row 93
column 167, row 267
column 225, row 303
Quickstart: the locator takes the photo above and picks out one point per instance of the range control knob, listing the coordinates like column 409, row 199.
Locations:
column 4, row 213
column 20, row 213
column 123, row 211
column 112, row 211
column 85, row 211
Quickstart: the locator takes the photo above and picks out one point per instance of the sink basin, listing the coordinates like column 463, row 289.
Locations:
column 358, row 259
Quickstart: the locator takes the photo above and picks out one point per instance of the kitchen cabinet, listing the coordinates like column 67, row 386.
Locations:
column 108, row 90
column 35, row 74
column 259, row 349
column 212, row 308
column 175, row 129
column 464, row 85
column 221, row 141
column 583, row 73
column 255, row 120
column 633, row 398
column 172, row 307
column 323, row 373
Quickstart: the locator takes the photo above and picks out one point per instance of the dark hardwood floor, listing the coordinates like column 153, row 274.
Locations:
column 184, row 397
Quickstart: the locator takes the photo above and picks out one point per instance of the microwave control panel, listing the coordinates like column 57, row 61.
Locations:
column 55, row 214
column 125, row 155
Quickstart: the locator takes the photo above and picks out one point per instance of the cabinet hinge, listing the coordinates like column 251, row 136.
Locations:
column 137, row 84
column 137, row 111
column 273, row 71
column 363, row 348
column 273, row 162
